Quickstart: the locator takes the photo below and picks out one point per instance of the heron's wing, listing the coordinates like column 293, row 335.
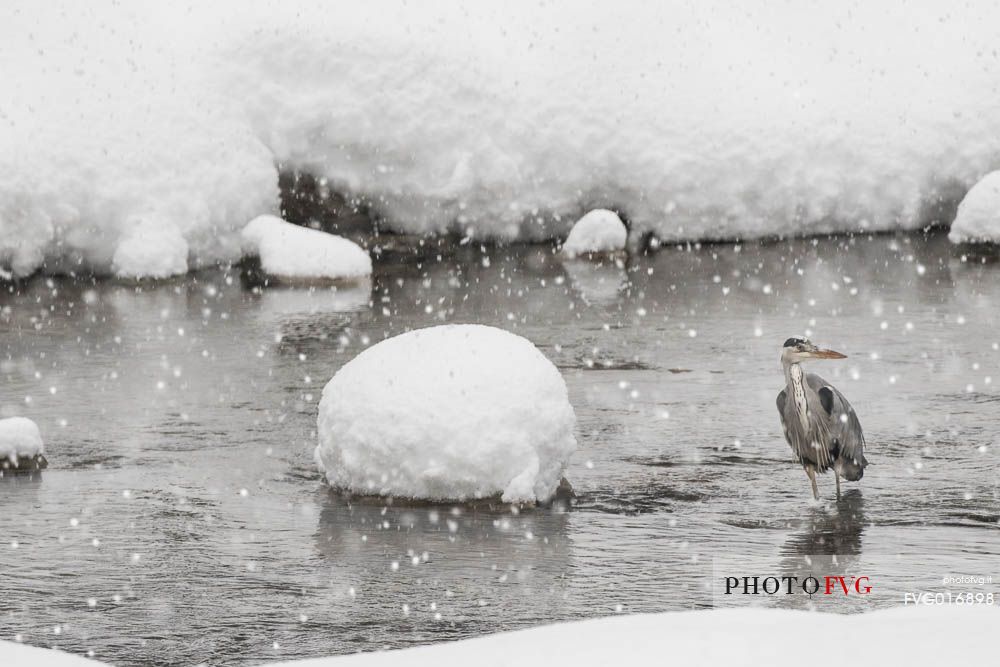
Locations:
column 782, row 396
column 844, row 425
column 797, row 439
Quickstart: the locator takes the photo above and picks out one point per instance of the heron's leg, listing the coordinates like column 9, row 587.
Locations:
column 837, row 475
column 812, row 478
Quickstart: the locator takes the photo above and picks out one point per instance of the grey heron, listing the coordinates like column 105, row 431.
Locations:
column 820, row 425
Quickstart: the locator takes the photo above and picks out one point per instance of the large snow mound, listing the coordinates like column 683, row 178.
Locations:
column 599, row 231
column 978, row 217
column 695, row 121
column 19, row 437
column 926, row 637
column 294, row 253
column 452, row 412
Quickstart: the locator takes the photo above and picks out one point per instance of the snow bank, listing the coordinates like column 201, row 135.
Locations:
column 695, row 121
column 16, row 654
column 294, row 253
column 21, row 444
column 925, row 637
column 115, row 149
column 150, row 247
column 599, row 231
column 448, row 412
column 920, row 636
column 978, row 217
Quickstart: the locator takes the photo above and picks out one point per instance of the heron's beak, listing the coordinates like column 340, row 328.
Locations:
column 828, row 354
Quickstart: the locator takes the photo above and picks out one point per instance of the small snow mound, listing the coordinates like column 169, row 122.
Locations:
column 599, row 231
column 452, row 412
column 21, row 444
column 291, row 252
column 978, row 217
column 150, row 248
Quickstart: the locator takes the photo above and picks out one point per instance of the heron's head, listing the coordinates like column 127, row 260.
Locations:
column 798, row 349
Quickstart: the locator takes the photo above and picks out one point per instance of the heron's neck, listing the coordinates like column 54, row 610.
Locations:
column 794, row 379
column 793, row 372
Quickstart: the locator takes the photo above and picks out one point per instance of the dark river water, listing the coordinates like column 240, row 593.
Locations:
column 182, row 520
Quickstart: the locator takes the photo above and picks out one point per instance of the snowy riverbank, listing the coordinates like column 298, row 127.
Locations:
column 694, row 121
column 721, row 637
column 925, row 636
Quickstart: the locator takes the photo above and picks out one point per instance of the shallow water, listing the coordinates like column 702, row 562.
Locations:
column 182, row 520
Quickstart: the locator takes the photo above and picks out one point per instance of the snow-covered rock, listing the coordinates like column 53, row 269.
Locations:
column 295, row 253
column 978, row 217
column 21, row 446
column 447, row 413
column 500, row 123
column 599, row 231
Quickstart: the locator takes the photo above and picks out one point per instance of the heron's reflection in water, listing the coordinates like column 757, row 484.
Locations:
column 828, row 544
column 834, row 531
column 443, row 571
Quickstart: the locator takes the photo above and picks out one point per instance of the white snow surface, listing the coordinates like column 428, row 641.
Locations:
column 599, row 231
column 19, row 436
column 150, row 247
column 506, row 121
column 925, row 636
column 917, row 637
column 293, row 252
column 15, row 654
column 452, row 412
column 978, row 217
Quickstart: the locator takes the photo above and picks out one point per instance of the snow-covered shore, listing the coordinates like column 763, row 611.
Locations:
column 916, row 637
column 695, row 121
column 16, row 654
column 925, row 636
